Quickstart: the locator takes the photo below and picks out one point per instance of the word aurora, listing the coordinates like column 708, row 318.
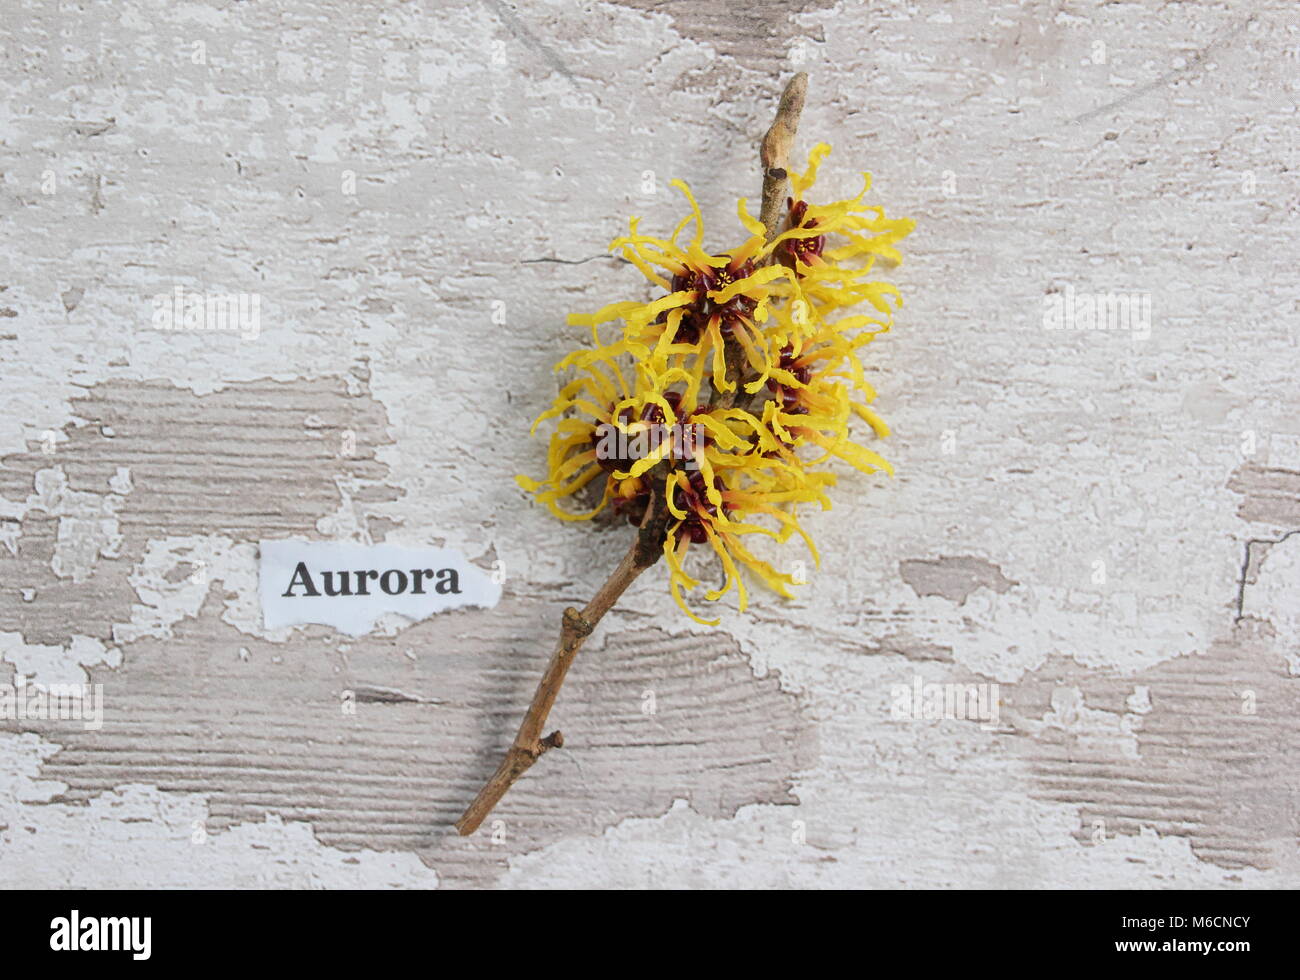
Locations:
column 394, row 581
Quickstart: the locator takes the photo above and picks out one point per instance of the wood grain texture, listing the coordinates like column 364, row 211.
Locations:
column 1102, row 524
column 302, row 735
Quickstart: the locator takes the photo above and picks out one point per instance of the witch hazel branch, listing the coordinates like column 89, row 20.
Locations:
column 756, row 352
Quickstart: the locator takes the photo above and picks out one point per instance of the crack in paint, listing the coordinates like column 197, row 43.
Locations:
column 1245, row 569
column 1170, row 75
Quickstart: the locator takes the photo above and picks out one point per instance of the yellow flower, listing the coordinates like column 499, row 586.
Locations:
column 832, row 250
column 729, row 480
column 645, row 407
column 818, row 383
column 722, row 507
column 597, row 399
column 709, row 299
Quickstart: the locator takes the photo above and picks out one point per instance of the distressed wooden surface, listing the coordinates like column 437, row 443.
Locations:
column 1100, row 524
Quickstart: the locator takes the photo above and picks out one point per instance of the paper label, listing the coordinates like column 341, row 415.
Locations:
column 349, row 586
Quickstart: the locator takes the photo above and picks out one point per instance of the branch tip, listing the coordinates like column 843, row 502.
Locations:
column 774, row 152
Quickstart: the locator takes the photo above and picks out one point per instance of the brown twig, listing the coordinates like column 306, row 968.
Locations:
column 774, row 154
column 576, row 626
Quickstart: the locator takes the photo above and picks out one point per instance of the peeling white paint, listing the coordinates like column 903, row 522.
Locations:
column 1275, row 596
column 87, row 522
column 48, row 665
column 383, row 181
column 138, row 837
column 173, row 578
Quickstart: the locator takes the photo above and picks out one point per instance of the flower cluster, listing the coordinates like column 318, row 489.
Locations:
column 731, row 393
